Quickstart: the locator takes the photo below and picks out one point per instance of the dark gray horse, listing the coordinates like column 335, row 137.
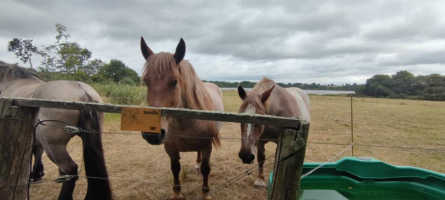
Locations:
column 16, row 81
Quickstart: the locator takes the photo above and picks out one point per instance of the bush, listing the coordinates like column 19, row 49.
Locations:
column 127, row 80
column 97, row 78
column 433, row 97
column 117, row 93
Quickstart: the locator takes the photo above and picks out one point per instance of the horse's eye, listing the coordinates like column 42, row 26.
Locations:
column 174, row 83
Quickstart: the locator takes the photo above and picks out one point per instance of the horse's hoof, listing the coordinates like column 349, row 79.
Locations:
column 259, row 183
column 37, row 178
column 177, row 197
column 35, row 181
column 207, row 197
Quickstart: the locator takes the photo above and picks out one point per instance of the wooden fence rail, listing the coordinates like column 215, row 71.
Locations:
column 286, row 180
column 166, row 112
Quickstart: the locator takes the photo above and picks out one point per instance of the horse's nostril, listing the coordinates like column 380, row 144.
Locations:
column 247, row 158
column 162, row 131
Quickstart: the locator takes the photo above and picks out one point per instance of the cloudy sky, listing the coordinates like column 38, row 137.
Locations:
column 318, row 41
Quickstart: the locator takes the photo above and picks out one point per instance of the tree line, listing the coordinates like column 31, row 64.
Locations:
column 404, row 85
column 67, row 60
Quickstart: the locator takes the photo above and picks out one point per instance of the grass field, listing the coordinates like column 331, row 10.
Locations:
column 140, row 171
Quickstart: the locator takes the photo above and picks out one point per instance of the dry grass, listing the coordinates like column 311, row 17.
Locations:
column 133, row 163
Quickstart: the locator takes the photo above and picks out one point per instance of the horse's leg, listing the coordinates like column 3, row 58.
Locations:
column 176, row 168
column 59, row 155
column 205, row 170
column 37, row 169
column 198, row 161
column 261, row 157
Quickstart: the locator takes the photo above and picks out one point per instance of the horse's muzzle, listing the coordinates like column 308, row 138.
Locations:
column 154, row 138
column 247, row 158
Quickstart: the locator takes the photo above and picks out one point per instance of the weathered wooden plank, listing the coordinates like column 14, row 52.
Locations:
column 16, row 125
column 166, row 112
column 287, row 173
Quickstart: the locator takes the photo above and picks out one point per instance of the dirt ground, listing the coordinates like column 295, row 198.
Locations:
column 138, row 170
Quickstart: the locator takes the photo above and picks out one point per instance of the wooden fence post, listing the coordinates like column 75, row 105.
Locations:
column 16, row 125
column 287, row 173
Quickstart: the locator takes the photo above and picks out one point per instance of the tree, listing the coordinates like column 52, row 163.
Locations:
column 93, row 67
column 64, row 56
column 116, row 70
column 378, row 86
column 403, row 82
column 23, row 49
column 432, row 80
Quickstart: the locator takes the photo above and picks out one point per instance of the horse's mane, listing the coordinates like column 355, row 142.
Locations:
column 13, row 71
column 264, row 85
column 194, row 93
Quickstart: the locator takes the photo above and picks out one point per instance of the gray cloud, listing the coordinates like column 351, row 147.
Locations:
column 290, row 41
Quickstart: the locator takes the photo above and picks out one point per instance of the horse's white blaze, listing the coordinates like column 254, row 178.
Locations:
column 249, row 110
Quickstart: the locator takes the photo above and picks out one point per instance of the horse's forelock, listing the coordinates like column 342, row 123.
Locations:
column 253, row 98
column 160, row 65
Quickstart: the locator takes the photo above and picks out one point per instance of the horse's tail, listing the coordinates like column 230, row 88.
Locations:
column 95, row 169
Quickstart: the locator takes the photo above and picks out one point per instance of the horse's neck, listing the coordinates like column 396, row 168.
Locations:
column 197, row 99
column 281, row 104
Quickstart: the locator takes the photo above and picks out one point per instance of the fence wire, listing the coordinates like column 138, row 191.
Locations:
column 273, row 140
column 220, row 187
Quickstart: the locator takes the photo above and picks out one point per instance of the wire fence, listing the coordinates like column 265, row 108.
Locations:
column 272, row 140
column 215, row 189
column 225, row 183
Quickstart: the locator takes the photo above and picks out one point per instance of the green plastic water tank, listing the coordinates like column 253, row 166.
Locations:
column 368, row 178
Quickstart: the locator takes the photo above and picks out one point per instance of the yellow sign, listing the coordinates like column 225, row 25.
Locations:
column 141, row 119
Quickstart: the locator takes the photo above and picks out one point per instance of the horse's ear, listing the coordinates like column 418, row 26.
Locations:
column 146, row 51
column 180, row 51
column 266, row 94
column 241, row 92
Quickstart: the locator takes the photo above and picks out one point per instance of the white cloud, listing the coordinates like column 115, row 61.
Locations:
column 289, row 41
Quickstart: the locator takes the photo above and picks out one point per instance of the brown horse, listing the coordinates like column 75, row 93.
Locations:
column 16, row 81
column 268, row 98
column 172, row 82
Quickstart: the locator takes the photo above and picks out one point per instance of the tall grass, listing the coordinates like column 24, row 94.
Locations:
column 119, row 93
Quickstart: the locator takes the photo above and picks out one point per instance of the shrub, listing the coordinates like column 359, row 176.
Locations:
column 118, row 93
column 127, row 80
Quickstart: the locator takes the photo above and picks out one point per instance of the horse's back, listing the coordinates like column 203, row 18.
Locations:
column 23, row 89
column 303, row 102
column 216, row 95
column 66, row 90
